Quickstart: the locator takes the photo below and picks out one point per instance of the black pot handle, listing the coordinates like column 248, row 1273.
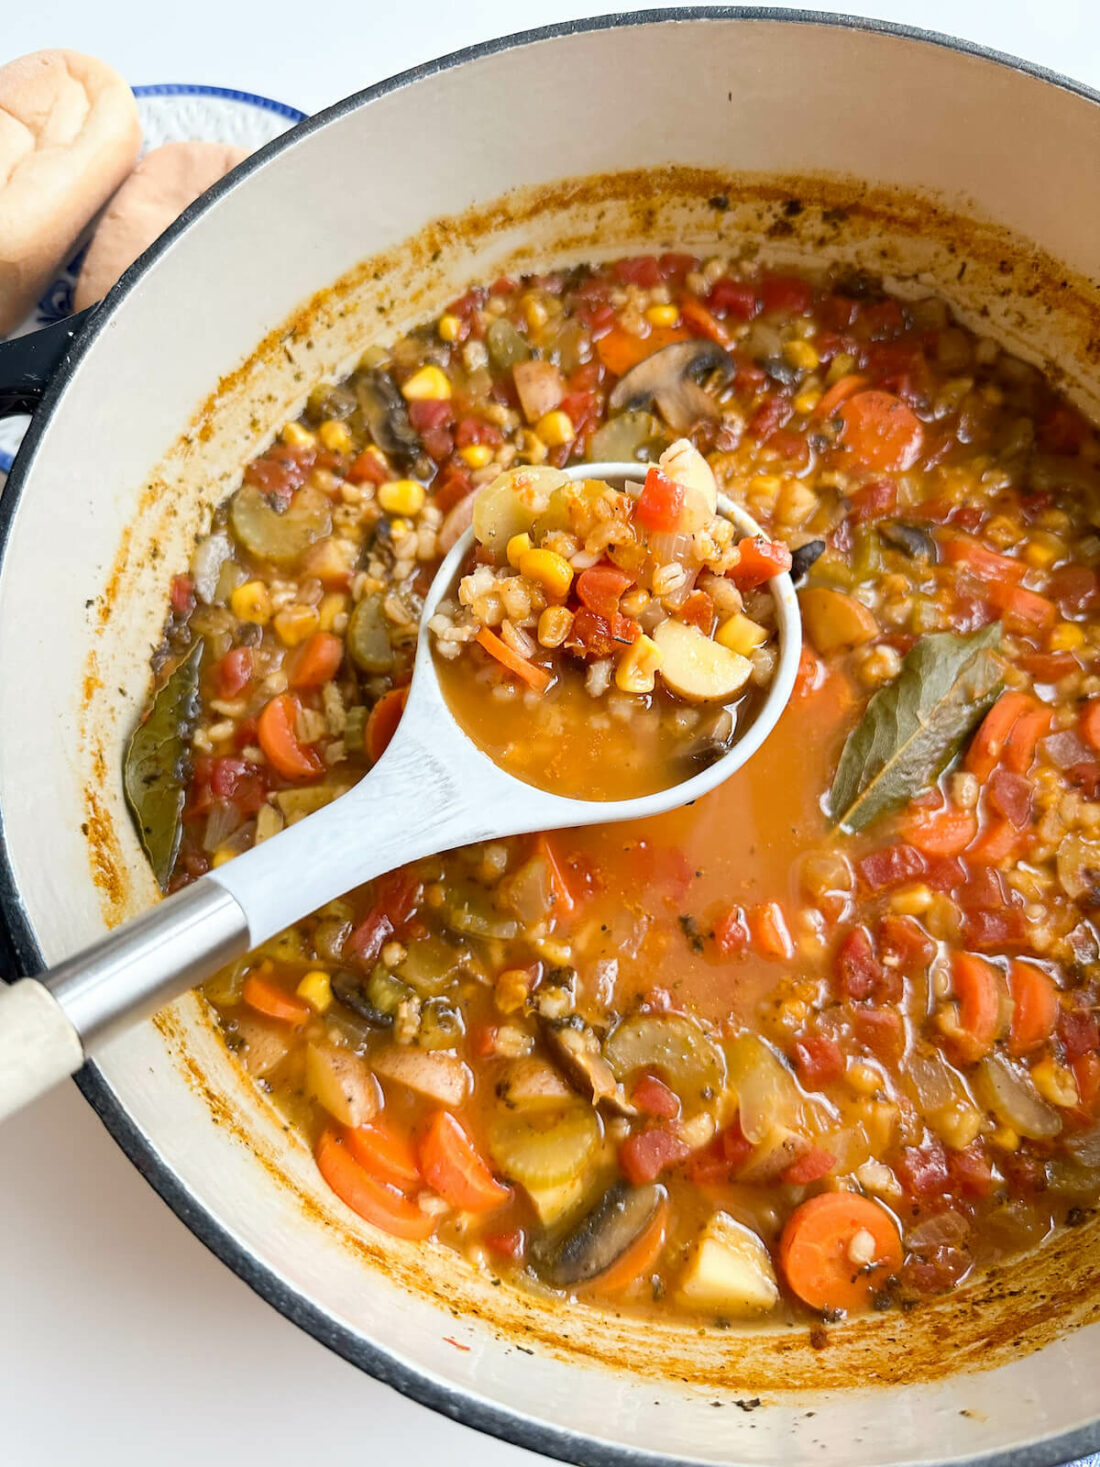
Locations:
column 28, row 362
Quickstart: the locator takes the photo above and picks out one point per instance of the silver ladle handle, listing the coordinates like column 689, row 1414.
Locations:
column 47, row 1023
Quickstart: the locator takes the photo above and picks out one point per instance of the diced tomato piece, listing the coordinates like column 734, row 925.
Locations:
column 1079, row 1032
column 431, row 413
column 881, row 1032
column 735, row 298
column 1075, row 588
column 182, row 595
column 600, row 636
column 661, row 502
column 234, row 672
column 1011, row 795
column 582, row 409
column 653, row 1098
column 1086, row 1071
column 1049, row 667
column 507, row 1245
column 770, row 934
column 770, row 416
column 858, row 971
column 241, row 783
column 1024, row 610
column 642, row 270
column 370, row 937
column 993, row 931
column 452, row 487
column 922, row 1170
column 644, row 1155
column 985, row 891
column 369, row 467
column 674, row 266
column 703, row 322
column 1063, row 430
column 698, row 611
column 749, row 378
column 838, row 312
column 818, row 1059
column 472, row 431
column 811, row 673
column 970, row 1171
column 281, row 470
column 873, row 501
column 760, row 560
column 945, row 873
column 809, row 1168
column 601, row 587
column 788, row 294
column 882, row 320
column 893, row 866
column 722, row 1159
column 731, row 932
column 903, row 939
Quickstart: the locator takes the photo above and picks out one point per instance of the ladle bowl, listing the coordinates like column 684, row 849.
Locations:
column 49, row 1024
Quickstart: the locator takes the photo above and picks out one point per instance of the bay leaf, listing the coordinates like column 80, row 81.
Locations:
column 912, row 728
column 155, row 773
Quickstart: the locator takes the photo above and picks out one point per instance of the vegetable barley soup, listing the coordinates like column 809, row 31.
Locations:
column 825, row 1041
column 574, row 587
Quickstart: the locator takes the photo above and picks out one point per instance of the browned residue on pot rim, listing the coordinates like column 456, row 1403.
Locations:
column 1009, row 1311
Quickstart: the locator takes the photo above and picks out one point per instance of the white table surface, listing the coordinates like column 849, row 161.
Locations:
column 121, row 1339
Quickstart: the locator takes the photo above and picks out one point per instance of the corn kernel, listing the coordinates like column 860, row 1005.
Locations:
column 221, row 855
column 336, row 436
column 295, row 623
column 957, row 1124
column 638, row 665
column 330, row 608
column 430, row 384
column 251, row 602
column 450, row 327
column 295, row 436
column 401, row 496
column 552, row 571
column 864, row 1079
column 1067, row 636
column 555, row 624
column 476, row 455
column 1004, row 1138
column 805, row 402
column 518, row 547
column 1042, row 550
column 555, row 428
column 741, row 634
column 316, row 989
column 801, row 354
column 534, row 312
column 1055, row 1083
column 912, row 901
column 663, row 315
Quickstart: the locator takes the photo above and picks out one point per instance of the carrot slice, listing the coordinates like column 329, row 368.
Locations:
column 841, row 390
column 318, row 661
column 278, row 740
column 1088, row 725
column 639, row 1258
column 385, row 1153
column 535, row 677
column 1029, row 728
column 995, row 843
column 383, row 1207
column 986, row 746
column 564, row 900
column 880, row 431
column 454, row 1168
column 383, row 721
column 268, row 998
column 621, row 350
column 702, row 321
column 770, row 933
column 987, row 565
column 1034, row 1007
column 945, row 832
column 818, row 1243
column 1024, row 610
column 978, row 996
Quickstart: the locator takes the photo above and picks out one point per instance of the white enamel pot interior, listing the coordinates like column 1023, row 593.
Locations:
column 821, row 119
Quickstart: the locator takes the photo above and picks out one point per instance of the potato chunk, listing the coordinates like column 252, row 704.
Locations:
column 340, row 1081
column 730, row 1272
column 833, row 620
column 694, row 667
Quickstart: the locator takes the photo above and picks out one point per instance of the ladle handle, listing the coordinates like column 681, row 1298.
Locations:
column 47, row 1023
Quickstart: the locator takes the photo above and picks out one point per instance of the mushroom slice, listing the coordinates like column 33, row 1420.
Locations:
column 803, row 558
column 578, row 1051
column 385, row 415
column 671, row 378
column 697, row 668
column 601, row 1237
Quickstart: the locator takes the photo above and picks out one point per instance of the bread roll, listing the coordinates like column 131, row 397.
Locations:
column 159, row 189
column 69, row 135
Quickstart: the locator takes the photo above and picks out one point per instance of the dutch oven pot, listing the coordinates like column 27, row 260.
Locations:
column 906, row 154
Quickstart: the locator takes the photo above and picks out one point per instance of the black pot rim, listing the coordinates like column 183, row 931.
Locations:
column 455, row 1403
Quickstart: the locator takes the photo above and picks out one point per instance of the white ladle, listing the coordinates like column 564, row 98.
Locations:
column 431, row 791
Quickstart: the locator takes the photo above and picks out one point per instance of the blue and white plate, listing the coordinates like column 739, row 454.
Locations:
column 170, row 113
